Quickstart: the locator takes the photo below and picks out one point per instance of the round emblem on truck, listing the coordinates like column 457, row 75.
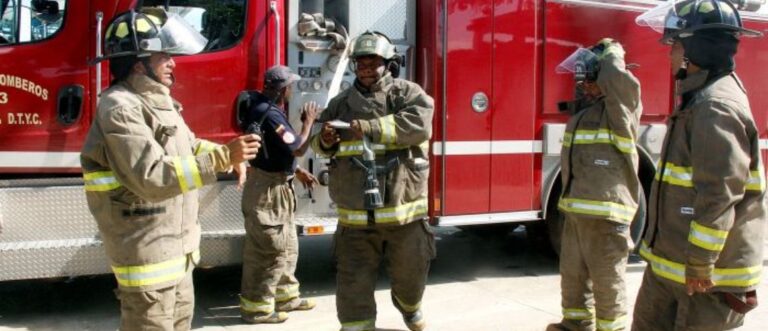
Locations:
column 480, row 102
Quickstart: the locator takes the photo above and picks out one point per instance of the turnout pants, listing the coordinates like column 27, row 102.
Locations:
column 406, row 251
column 593, row 261
column 271, row 247
column 166, row 309
column 664, row 306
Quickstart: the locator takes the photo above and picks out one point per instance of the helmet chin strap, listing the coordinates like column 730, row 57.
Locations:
column 682, row 72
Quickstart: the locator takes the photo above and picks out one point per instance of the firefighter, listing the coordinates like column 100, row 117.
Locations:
column 707, row 219
column 143, row 166
column 393, row 118
column 600, row 189
column 269, row 288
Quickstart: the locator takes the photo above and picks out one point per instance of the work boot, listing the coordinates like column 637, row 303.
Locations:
column 271, row 318
column 561, row 327
column 296, row 304
column 556, row 327
column 415, row 321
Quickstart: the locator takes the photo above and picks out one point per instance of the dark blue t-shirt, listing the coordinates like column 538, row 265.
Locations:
column 279, row 140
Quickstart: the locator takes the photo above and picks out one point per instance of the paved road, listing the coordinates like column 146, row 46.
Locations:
column 498, row 282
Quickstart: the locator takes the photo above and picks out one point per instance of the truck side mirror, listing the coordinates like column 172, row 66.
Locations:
column 46, row 7
column 244, row 100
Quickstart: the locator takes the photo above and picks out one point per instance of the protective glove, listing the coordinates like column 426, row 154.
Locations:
column 607, row 46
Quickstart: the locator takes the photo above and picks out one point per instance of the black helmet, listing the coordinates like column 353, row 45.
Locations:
column 681, row 19
column 150, row 31
column 582, row 63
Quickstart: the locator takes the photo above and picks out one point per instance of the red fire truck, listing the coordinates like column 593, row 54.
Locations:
column 489, row 64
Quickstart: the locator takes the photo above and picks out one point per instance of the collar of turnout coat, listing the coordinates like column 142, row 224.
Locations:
column 156, row 95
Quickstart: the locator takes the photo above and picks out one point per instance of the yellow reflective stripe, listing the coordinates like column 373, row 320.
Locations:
column 151, row 274
column 398, row 214
column 756, row 181
column 402, row 212
column 187, row 173
column 352, row 217
column 598, row 208
column 287, row 293
column 366, row 325
column 578, row 313
column 620, row 323
column 408, row 308
column 683, row 176
column 205, row 147
column 100, row 181
column 675, row 175
column 707, row 238
column 355, row 147
column 736, row 277
column 388, row 129
column 257, row 307
column 602, row 136
column 662, row 267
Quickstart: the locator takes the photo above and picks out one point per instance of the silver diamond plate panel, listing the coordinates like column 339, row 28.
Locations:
column 386, row 16
column 45, row 213
column 51, row 259
column 49, row 232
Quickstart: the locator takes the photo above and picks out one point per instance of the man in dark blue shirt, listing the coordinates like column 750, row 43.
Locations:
column 269, row 288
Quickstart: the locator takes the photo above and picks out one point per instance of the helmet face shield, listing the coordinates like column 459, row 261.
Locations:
column 660, row 18
column 151, row 30
column 582, row 63
column 682, row 18
column 179, row 37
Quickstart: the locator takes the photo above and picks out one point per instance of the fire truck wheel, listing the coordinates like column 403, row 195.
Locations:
column 554, row 222
column 637, row 228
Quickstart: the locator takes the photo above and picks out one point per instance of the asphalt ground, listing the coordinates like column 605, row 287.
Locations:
column 491, row 281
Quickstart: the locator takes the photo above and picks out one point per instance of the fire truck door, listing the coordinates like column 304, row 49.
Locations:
column 488, row 152
column 468, row 72
column 207, row 84
column 44, row 75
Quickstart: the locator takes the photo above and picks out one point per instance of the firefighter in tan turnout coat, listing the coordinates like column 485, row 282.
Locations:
column 600, row 189
column 395, row 116
column 142, row 168
column 707, row 208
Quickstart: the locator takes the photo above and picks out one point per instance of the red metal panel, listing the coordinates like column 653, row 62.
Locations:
column 32, row 75
column 751, row 66
column 208, row 84
column 469, row 70
column 428, row 74
column 515, row 87
column 570, row 25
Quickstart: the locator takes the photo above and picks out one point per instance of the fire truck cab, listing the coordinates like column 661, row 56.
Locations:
column 489, row 65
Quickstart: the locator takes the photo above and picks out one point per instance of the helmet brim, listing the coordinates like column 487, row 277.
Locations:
column 670, row 37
